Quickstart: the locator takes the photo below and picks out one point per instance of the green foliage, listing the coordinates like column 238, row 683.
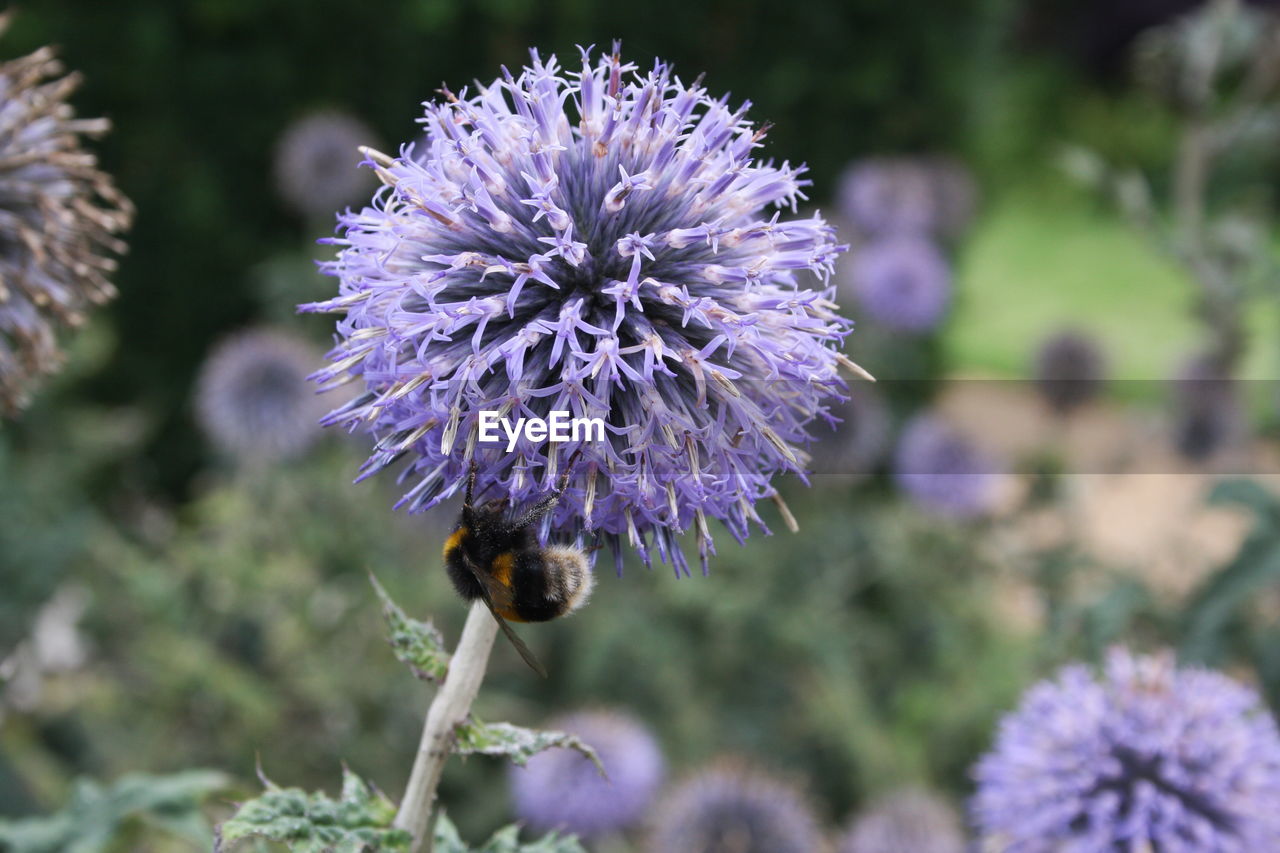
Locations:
column 359, row 820
column 416, row 644
column 505, row 840
column 516, row 743
column 1220, row 619
column 100, row 818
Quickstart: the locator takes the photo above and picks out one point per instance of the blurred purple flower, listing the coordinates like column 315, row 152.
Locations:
column 893, row 196
column 903, row 283
column 603, row 243
column 734, row 809
column 1208, row 415
column 317, row 163
column 253, row 398
column 58, row 222
column 942, row 471
column 561, row 789
column 1143, row 756
column 906, row 821
column 1069, row 370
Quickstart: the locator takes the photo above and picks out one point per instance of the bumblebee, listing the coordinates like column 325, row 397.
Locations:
column 494, row 555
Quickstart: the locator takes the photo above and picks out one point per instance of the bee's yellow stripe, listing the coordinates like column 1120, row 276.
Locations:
column 503, row 565
column 454, row 540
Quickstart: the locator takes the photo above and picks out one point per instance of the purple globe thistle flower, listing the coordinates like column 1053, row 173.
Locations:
column 734, row 809
column 889, row 195
column 1207, row 412
column 253, row 398
column 907, row 821
column 1069, row 370
column 601, row 243
column 560, row 789
column 59, row 215
column 1143, row 756
column 317, row 163
column 942, row 471
column 859, row 440
column 903, row 283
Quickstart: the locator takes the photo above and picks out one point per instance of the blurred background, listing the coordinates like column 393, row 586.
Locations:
column 1062, row 270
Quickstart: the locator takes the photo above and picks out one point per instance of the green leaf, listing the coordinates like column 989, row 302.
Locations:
column 505, row 840
column 360, row 820
column 415, row 643
column 516, row 743
column 96, row 816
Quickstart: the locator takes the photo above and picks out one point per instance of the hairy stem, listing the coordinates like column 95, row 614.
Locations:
column 449, row 708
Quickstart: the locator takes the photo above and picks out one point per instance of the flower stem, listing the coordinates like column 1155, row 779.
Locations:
column 449, row 708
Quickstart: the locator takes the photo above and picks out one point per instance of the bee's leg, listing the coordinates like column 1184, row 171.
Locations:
column 548, row 503
column 471, row 484
column 538, row 510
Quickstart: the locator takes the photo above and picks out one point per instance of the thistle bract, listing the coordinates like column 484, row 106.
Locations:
column 562, row 789
column 904, row 283
column 605, row 244
column 59, row 215
column 253, row 399
column 907, row 821
column 734, row 809
column 1143, row 756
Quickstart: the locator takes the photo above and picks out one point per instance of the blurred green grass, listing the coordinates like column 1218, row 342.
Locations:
column 1044, row 257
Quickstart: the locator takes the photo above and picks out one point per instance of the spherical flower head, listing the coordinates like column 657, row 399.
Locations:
column 317, row 163
column 858, row 442
column 61, row 215
column 908, row 196
column 561, row 789
column 734, row 809
column 1142, row 756
column 1207, row 412
column 889, row 196
column 903, row 283
column 253, row 398
column 943, row 471
column 1069, row 370
column 906, row 821
column 605, row 244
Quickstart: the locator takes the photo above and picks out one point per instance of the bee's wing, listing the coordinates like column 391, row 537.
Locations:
column 518, row 643
column 486, row 585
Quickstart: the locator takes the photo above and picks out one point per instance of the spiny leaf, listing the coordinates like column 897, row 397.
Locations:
column 505, row 840
column 417, row 644
column 516, row 743
column 96, row 815
column 359, row 821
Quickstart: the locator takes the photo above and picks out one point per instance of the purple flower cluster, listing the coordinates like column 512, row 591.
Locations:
column 560, row 789
column 943, row 471
column 902, row 282
column 1143, row 756
column 734, row 809
column 902, row 208
column 1069, row 370
column 317, row 163
column 600, row 242
column 59, row 220
column 906, row 821
column 253, row 399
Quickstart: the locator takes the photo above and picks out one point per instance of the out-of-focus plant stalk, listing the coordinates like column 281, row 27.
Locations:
column 1221, row 304
column 450, row 707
